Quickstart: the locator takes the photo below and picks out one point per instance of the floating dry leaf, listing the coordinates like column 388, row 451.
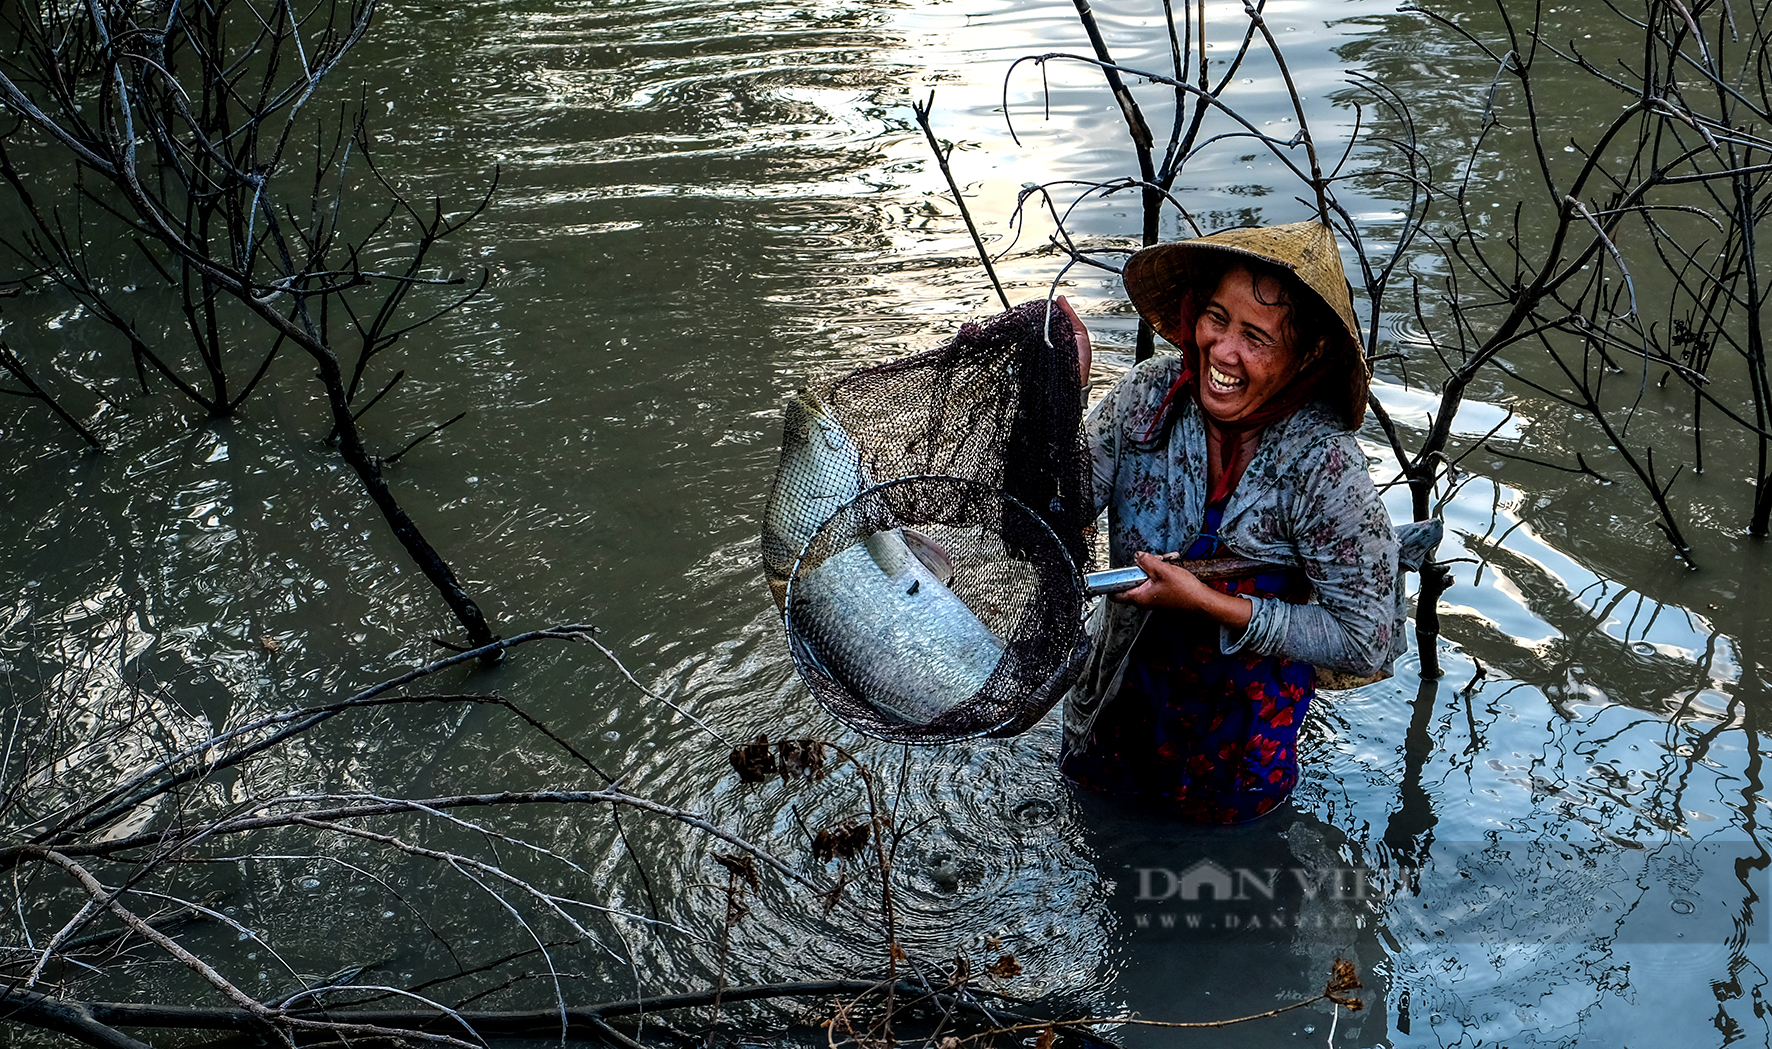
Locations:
column 800, row 758
column 755, row 761
column 840, row 842
column 1047, row 1037
column 741, row 866
column 1344, row 977
column 759, row 759
column 1005, row 967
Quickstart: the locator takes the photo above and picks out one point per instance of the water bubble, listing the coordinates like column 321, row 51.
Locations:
column 387, row 914
column 1682, row 906
column 1035, row 812
column 309, row 883
column 612, row 735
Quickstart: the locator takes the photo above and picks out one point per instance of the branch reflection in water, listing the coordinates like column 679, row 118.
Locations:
column 703, row 204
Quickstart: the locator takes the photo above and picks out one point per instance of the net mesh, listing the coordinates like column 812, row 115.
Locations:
column 925, row 534
column 1001, row 404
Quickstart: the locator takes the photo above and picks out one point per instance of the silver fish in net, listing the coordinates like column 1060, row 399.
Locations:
column 870, row 614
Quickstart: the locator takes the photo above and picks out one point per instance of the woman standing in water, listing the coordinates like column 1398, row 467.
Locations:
column 1243, row 444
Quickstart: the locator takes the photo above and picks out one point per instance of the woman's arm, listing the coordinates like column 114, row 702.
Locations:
column 1349, row 552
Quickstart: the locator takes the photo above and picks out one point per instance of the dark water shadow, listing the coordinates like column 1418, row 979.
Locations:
column 1213, row 923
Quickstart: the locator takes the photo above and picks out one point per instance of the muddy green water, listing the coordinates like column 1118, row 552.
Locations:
column 701, row 206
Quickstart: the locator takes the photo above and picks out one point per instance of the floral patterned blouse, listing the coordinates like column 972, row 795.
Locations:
column 1305, row 499
column 1214, row 736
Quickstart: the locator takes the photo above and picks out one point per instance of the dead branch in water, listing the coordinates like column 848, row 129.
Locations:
column 1665, row 191
column 182, row 131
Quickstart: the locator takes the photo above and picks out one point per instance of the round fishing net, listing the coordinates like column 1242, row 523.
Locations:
column 925, row 535
column 894, row 645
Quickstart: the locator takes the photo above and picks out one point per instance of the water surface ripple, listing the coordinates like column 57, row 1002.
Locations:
column 702, row 206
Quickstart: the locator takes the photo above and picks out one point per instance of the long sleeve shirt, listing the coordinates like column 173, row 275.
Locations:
column 1305, row 499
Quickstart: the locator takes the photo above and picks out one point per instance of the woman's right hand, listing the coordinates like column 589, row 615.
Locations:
column 1171, row 586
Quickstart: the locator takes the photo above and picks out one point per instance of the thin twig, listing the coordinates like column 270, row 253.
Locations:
column 922, row 111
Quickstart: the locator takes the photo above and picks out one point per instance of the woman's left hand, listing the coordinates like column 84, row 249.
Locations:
column 1171, row 586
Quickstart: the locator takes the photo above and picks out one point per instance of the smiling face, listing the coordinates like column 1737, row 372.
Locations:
column 1246, row 347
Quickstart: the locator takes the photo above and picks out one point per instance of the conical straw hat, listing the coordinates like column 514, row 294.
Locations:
column 1160, row 278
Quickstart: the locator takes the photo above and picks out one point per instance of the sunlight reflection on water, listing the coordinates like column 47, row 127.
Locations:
column 706, row 204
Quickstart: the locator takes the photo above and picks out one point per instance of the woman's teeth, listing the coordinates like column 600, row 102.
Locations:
column 1221, row 381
